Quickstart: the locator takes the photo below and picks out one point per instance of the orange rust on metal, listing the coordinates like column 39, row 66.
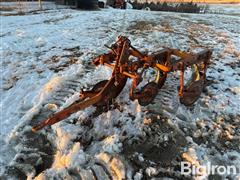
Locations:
column 123, row 66
column 129, row 75
column 180, row 92
column 163, row 68
column 67, row 112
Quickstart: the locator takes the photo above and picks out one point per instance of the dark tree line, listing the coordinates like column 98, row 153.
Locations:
column 189, row 7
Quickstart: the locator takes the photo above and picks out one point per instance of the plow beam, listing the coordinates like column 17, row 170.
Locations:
column 59, row 116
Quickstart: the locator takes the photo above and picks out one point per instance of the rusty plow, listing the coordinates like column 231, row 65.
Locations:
column 127, row 62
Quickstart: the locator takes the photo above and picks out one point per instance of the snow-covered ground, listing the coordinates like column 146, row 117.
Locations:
column 45, row 61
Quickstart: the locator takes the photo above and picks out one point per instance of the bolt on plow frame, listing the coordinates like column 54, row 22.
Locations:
column 128, row 62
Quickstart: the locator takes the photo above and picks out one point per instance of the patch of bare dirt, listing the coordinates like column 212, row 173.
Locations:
column 60, row 63
column 166, row 27
column 55, row 20
column 142, row 26
column 160, row 146
column 31, row 156
column 9, row 83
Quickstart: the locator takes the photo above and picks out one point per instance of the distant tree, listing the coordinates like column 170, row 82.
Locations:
column 189, row 7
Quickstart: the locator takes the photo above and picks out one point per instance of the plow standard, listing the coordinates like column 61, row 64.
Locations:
column 128, row 62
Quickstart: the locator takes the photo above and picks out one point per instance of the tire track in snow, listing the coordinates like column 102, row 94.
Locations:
column 24, row 138
column 68, row 88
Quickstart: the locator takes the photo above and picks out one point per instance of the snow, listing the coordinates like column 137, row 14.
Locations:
column 35, row 66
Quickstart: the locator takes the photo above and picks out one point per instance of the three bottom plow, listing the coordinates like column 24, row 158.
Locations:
column 128, row 62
